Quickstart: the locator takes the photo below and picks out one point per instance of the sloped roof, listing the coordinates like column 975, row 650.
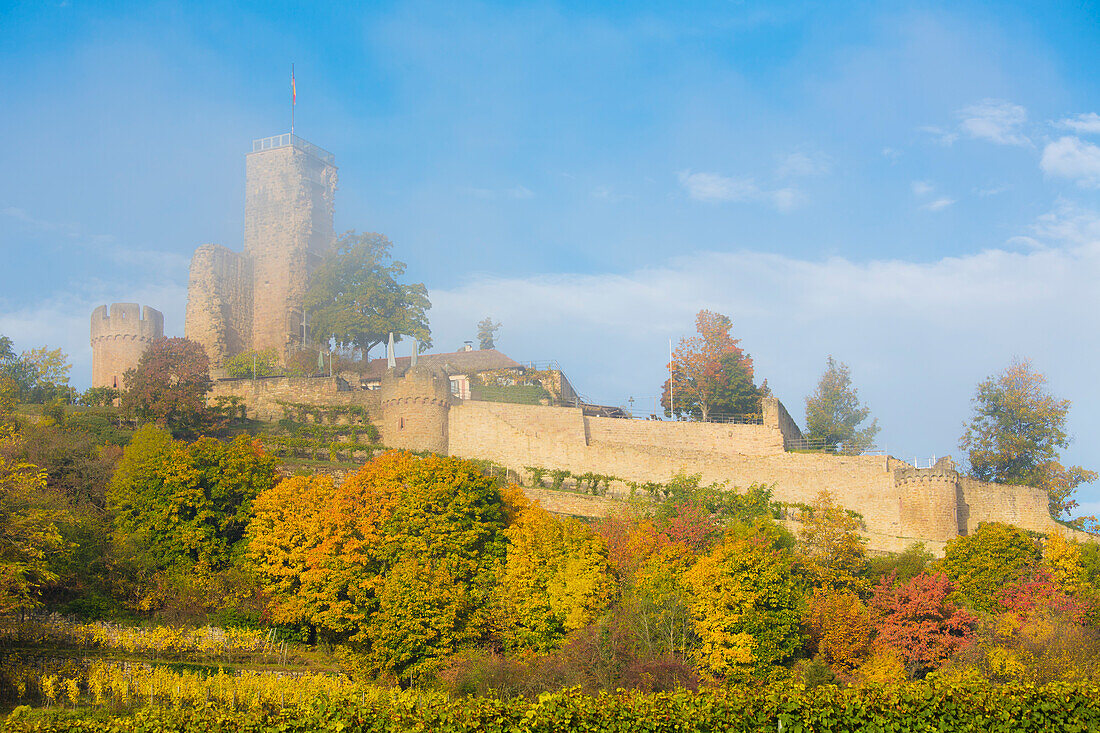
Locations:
column 455, row 362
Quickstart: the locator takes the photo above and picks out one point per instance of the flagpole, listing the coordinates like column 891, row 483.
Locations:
column 293, row 98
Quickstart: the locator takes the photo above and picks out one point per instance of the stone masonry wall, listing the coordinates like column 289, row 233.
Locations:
column 262, row 396
column 288, row 230
column 219, row 302
column 900, row 504
column 119, row 339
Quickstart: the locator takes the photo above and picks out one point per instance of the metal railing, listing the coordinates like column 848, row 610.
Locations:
column 287, row 140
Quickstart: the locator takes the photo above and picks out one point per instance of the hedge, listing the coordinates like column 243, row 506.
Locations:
column 918, row 706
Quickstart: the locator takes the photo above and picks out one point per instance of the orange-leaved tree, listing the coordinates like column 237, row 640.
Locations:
column 398, row 563
column 710, row 374
column 919, row 621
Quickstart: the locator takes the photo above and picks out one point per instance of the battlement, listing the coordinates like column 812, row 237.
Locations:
column 127, row 319
column 290, row 140
column 119, row 338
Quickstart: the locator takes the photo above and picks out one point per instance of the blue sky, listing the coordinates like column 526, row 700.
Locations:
column 911, row 187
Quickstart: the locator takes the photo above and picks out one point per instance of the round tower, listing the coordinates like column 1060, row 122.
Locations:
column 120, row 338
column 414, row 410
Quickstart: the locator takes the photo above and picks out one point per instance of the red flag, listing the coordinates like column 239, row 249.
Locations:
column 293, row 88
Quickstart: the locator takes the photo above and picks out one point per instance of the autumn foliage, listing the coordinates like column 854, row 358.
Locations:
column 710, row 374
column 919, row 620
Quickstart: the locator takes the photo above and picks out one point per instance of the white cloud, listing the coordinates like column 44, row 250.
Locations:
column 922, row 188
column 716, row 188
column 799, row 164
column 1072, row 158
column 891, row 154
column 994, row 120
column 941, row 135
column 919, row 335
column 1083, row 124
column 938, row 204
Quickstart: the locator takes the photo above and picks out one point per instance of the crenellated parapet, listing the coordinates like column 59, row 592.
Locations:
column 415, row 409
column 119, row 337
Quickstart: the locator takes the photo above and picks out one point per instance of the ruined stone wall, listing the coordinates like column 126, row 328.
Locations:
column 119, row 339
column 262, row 396
column 777, row 418
column 288, row 231
column 219, row 302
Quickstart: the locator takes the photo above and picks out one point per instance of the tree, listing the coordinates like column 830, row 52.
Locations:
column 399, row 563
column 918, row 620
column 18, row 370
column 254, row 363
column 356, row 298
column 29, row 537
column 830, row 538
column 169, row 385
column 287, row 527
column 746, row 605
column 840, row 627
column 1016, row 434
column 982, row 563
column 51, row 367
column 556, row 579
column 834, row 413
column 183, row 505
column 486, row 331
column 710, row 373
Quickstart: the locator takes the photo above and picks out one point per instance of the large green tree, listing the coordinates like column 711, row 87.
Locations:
column 710, row 375
column 1017, row 433
column 186, row 504
column 356, row 297
column 834, row 413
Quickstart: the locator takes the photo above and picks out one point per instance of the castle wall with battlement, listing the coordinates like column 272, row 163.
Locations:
column 899, row 503
column 119, row 337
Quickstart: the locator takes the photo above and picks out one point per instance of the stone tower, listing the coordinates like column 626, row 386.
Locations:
column 119, row 340
column 289, row 190
column 415, row 407
column 253, row 300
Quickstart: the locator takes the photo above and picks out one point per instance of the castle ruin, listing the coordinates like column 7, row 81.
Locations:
column 119, row 339
column 253, row 300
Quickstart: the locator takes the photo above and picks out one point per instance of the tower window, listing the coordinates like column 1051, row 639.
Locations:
column 401, row 423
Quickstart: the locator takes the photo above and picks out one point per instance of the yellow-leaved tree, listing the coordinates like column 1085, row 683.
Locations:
column 398, row 564
column 289, row 525
column 29, row 537
column 841, row 627
column 556, row 579
column 746, row 604
column 830, row 538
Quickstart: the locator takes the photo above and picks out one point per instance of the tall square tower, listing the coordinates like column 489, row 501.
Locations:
column 290, row 185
